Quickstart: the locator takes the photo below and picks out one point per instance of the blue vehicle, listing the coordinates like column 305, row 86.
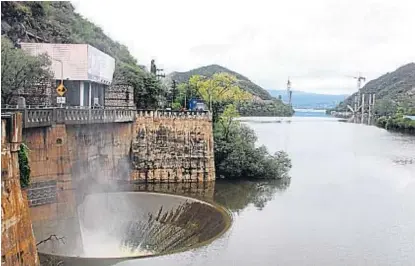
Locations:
column 196, row 104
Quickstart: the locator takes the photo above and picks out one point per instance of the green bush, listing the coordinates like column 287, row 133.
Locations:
column 397, row 123
column 236, row 156
column 24, row 167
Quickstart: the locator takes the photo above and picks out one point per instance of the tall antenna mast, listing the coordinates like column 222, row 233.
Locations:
column 289, row 92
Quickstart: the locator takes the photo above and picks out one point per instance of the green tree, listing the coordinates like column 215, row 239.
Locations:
column 385, row 107
column 227, row 119
column 20, row 70
column 182, row 94
column 149, row 97
column 220, row 87
column 236, row 156
column 218, row 91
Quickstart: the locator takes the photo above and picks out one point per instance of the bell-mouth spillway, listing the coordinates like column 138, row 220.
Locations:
column 115, row 226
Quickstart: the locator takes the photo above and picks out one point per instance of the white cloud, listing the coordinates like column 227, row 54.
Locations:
column 316, row 42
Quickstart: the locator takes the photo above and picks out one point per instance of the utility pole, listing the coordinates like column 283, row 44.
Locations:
column 173, row 92
column 210, row 99
column 370, row 108
column 161, row 75
column 154, row 70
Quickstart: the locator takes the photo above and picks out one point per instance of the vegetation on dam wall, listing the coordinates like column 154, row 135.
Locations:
column 24, row 166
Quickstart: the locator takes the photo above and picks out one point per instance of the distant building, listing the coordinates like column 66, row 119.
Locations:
column 87, row 73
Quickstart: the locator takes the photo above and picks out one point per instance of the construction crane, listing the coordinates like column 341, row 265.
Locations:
column 359, row 79
column 357, row 104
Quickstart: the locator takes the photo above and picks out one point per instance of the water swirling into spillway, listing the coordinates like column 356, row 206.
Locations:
column 120, row 225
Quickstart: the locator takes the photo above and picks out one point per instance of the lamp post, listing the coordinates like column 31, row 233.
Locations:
column 60, row 61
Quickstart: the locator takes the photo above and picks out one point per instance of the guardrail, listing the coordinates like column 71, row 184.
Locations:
column 174, row 114
column 42, row 117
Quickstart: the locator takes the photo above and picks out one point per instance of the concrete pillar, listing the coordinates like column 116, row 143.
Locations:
column 355, row 103
column 21, row 103
column 90, row 94
column 370, row 104
column 363, row 106
column 81, row 93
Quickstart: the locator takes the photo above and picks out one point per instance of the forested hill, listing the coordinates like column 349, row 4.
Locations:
column 395, row 88
column 58, row 22
column 208, row 71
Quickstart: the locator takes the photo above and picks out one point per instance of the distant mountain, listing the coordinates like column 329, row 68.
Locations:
column 208, row 71
column 396, row 87
column 307, row 100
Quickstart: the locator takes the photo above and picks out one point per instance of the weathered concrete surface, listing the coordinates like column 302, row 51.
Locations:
column 18, row 245
column 173, row 148
column 67, row 162
column 70, row 161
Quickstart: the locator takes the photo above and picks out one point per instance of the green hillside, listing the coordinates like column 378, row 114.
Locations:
column 208, row 71
column 393, row 90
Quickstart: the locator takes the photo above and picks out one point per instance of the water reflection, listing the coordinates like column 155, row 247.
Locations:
column 236, row 196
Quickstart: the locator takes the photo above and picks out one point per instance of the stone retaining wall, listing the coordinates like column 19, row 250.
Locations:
column 173, row 147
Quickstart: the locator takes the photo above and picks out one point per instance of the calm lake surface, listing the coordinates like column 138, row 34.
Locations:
column 350, row 201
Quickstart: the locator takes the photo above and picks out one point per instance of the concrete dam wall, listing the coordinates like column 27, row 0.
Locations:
column 70, row 161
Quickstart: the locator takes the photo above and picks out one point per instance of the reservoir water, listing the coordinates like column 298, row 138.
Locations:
column 350, row 200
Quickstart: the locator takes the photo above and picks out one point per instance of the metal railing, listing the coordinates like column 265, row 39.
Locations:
column 42, row 117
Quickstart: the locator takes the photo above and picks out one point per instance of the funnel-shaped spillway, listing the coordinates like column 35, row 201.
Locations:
column 116, row 226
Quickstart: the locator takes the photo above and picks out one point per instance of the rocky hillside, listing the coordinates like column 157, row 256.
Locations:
column 397, row 87
column 208, row 71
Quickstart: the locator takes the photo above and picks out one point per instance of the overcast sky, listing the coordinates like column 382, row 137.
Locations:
column 317, row 43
